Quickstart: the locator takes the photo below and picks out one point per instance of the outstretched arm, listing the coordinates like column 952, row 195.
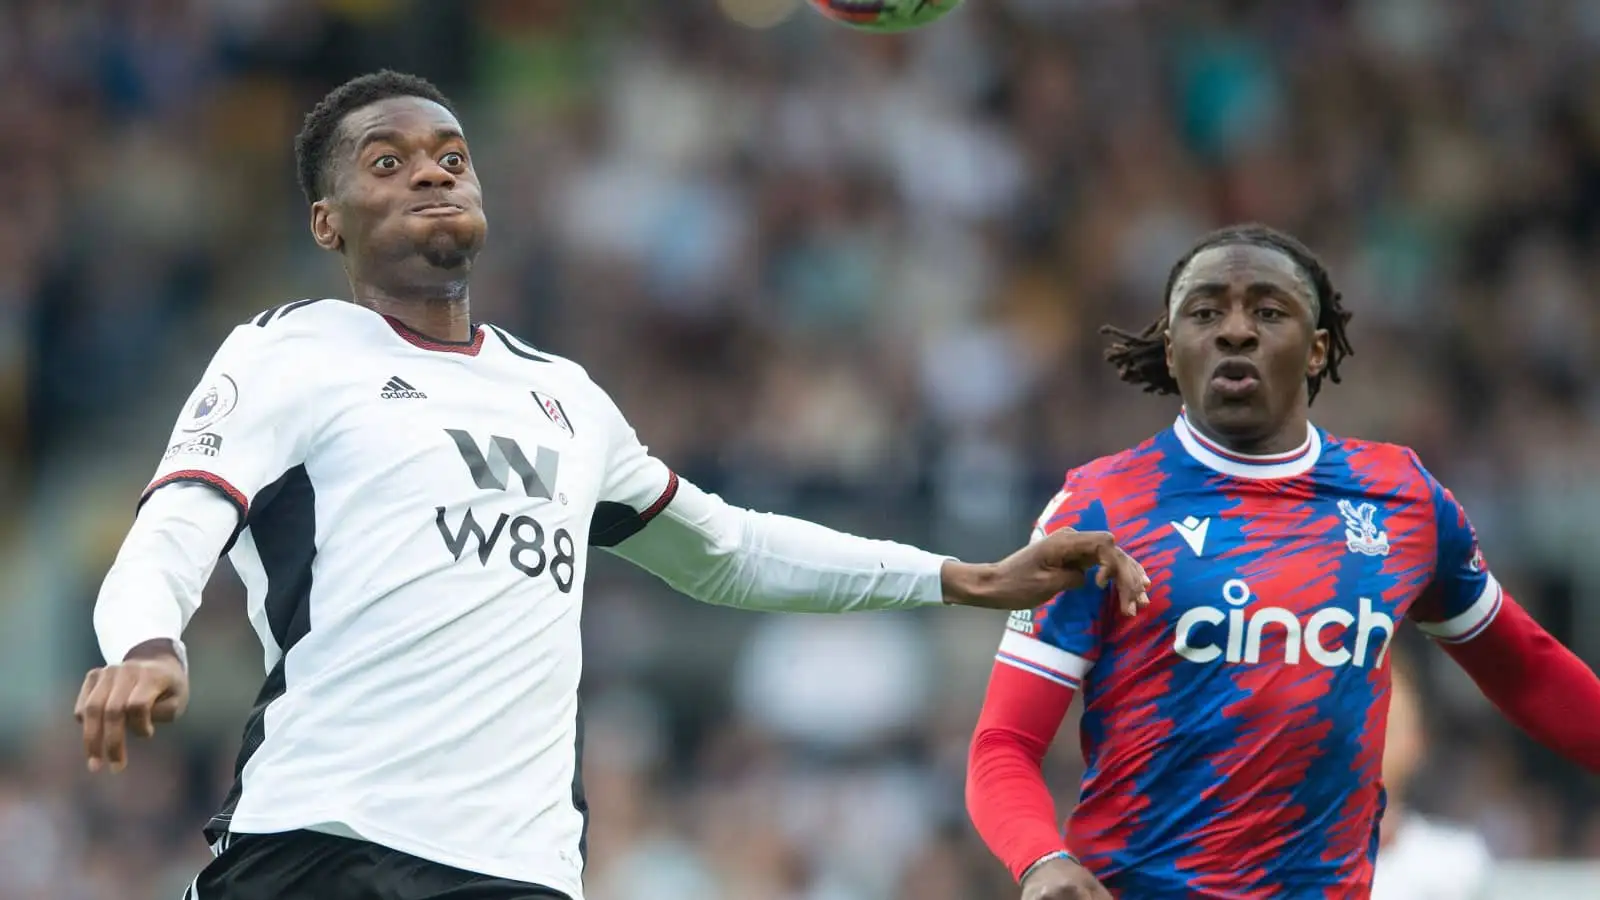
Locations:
column 722, row 554
column 1536, row 682
column 719, row 553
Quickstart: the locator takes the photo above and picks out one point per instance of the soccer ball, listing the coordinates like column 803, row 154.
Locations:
column 885, row 15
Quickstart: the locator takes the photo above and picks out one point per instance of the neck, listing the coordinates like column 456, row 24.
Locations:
column 442, row 312
column 1289, row 437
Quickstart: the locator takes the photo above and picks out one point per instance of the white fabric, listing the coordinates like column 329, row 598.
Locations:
column 430, row 601
column 734, row 557
column 1427, row 860
column 1471, row 623
column 153, row 588
column 1292, row 464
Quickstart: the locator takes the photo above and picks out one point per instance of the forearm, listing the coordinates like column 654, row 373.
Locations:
column 155, row 584
column 1007, row 797
column 1536, row 682
column 721, row 554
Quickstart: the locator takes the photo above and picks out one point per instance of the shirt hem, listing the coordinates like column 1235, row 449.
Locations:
column 556, row 876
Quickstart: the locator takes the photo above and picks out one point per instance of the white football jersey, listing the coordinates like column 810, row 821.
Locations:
column 415, row 524
column 1431, row 861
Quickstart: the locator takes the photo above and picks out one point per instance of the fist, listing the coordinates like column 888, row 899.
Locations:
column 1062, row 879
column 146, row 689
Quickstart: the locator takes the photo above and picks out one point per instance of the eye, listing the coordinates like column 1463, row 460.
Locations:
column 386, row 163
column 1205, row 314
column 454, row 160
column 1272, row 314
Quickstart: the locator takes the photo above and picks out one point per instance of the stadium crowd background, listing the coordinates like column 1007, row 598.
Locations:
column 849, row 278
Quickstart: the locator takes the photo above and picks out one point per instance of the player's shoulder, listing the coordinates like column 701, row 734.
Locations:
column 525, row 350
column 286, row 324
column 1377, row 451
column 1089, row 491
column 1388, row 468
column 1107, row 471
column 551, row 367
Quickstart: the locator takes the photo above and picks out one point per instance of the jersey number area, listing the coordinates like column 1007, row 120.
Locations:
column 531, row 549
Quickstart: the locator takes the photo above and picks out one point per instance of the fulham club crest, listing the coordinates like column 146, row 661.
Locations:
column 553, row 410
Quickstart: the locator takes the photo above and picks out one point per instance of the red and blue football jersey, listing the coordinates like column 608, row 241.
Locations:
column 1233, row 731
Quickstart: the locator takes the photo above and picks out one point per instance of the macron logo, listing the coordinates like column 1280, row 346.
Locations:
column 1193, row 531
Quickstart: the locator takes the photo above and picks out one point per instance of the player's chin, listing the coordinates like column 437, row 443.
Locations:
column 1236, row 413
column 449, row 249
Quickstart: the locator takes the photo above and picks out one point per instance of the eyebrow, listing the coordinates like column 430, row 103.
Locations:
column 1258, row 289
column 394, row 136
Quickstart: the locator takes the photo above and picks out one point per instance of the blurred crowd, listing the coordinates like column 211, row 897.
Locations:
column 852, row 278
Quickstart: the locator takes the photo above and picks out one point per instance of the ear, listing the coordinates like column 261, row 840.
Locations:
column 1166, row 343
column 1319, row 353
column 325, row 226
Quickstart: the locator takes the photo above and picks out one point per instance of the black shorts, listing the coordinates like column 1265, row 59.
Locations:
column 306, row 865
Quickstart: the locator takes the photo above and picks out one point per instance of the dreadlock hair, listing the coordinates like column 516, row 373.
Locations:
column 1142, row 358
column 314, row 144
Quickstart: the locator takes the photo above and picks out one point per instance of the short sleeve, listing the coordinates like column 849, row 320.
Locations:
column 636, row 486
column 1060, row 640
column 1463, row 597
column 241, row 427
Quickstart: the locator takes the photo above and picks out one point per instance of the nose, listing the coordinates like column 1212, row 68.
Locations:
column 431, row 175
column 1237, row 331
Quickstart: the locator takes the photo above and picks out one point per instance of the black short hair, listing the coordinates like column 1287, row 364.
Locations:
column 1141, row 358
column 312, row 146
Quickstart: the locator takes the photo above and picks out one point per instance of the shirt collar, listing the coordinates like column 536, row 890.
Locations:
column 1213, row 456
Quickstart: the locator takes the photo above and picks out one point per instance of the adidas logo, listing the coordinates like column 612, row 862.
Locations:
column 397, row 389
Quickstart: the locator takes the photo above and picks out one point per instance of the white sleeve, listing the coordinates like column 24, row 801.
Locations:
column 636, row 486
column 154, row 586
column 721, row 554
column 244, row 425
column 718, row 553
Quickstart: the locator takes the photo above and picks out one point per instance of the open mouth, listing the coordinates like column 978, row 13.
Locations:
column 1236, row 377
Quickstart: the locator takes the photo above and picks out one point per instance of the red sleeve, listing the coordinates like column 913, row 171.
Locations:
column 1006, row 793
column 1536, row 682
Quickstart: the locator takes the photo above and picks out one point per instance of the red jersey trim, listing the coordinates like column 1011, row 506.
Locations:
column 422, row 341
column 200, row 476
column 667, row 494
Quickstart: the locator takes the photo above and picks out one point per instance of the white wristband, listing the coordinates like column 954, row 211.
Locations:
column 1054, row 855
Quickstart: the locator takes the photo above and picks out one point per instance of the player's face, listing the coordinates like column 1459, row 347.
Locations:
column 406, row 206
column 1242, row 344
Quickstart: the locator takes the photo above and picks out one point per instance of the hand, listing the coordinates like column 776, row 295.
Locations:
column 1062, row 879
column 149, row 687
column 1039, row 571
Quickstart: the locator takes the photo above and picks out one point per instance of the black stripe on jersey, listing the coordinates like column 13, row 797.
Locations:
column 282, row 523
column 613, row 522
column 579, row 801
column 281, row 311
column 298, row 304
column 516, row 346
